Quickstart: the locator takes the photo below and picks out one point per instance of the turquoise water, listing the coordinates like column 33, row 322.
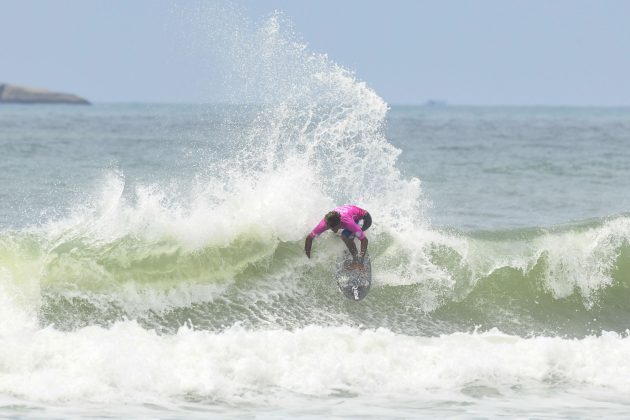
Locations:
column 151, row 256
column 481, row 167
column 516, row 167
column 113, row 233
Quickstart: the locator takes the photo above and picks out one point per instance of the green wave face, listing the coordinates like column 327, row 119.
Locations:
column 572, row 280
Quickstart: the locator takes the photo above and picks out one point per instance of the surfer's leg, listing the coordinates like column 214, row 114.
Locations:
column 351, row 246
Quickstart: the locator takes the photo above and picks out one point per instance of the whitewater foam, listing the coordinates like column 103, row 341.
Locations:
column 197, row 290
column 129, row 363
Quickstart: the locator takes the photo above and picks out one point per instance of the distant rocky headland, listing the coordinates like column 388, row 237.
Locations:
column 28, row 95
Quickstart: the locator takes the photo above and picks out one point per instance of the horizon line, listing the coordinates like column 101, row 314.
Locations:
column 425, row 104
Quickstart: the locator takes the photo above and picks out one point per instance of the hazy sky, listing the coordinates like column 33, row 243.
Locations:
column 549, row 52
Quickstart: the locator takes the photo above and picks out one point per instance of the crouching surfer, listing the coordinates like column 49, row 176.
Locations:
column 346, row 218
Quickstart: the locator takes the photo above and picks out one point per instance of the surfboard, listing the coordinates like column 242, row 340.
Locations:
column 353, row 282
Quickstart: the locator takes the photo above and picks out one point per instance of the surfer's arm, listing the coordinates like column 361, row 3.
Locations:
column 307, row 246
column 321, row 227
column 364, row 246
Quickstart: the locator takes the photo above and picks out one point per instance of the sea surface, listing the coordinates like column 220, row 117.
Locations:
column 152, row 264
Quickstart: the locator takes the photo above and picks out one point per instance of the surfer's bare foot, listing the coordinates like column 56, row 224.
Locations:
column 357, row 266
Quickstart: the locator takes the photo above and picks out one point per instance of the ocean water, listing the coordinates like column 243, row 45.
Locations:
column 152, row 265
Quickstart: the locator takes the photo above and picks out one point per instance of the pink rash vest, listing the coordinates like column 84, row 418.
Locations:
column 350, row 215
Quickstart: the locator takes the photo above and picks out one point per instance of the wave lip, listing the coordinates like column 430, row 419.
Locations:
column 228, row 248
column 569, row 280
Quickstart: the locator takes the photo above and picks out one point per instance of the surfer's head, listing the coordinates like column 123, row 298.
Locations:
column 333, row 220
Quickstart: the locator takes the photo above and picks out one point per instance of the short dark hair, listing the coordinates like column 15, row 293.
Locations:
column 332, row 218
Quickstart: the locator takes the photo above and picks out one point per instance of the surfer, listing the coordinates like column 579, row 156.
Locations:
column 346, row 218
